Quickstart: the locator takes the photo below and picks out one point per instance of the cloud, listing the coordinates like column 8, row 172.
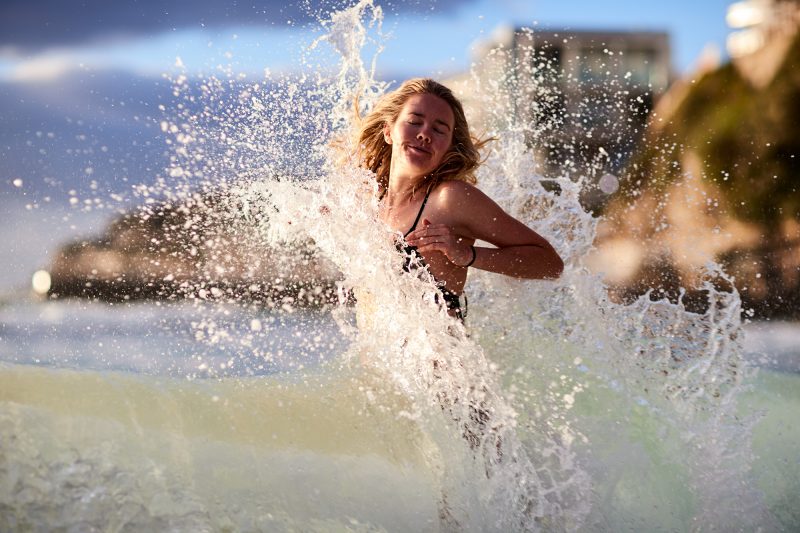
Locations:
column 42, row 68
column 33, row 25
column 54, row 130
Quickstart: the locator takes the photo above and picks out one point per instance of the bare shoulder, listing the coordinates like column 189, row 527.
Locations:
column 465, row 208
column 455, row 192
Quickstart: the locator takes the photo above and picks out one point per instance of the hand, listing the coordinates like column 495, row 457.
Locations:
column 440, row 238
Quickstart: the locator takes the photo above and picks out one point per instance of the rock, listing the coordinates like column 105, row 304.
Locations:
column 715, row 179
column 196, row 249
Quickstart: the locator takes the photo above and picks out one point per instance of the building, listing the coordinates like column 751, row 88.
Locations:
column 581, row 97
column 763, row 32
column 756, row 21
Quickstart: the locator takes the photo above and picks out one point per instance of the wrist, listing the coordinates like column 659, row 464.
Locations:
column 473, row 256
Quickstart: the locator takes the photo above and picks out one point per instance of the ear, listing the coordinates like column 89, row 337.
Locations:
column 387, row 134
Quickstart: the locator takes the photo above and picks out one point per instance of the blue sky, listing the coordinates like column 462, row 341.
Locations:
column 691, row 25
column 80, row 83
column 419, row 41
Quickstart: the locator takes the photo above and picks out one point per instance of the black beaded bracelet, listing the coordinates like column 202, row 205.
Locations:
column 474, row 257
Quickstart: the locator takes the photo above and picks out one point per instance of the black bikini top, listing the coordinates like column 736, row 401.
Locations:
column 411, row 251
column 413, row 260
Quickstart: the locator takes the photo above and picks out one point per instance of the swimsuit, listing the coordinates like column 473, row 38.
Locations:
column 414, row 260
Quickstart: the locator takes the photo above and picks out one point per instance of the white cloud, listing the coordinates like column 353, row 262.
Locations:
column 243, row 50
column 44, row 67
column 8, row 52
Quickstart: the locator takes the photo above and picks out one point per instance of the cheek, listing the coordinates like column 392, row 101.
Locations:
column 445, row 145
column 441, row 155
column 395, row 132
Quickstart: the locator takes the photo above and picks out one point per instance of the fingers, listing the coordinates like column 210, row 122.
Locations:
column 430, row 227
column 436, row 238
column 430, row 230
column 433, row 247
column 444, row 244
column 429, row 239
column 428, row 249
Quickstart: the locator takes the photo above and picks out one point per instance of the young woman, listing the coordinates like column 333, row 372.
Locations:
column 418, row 144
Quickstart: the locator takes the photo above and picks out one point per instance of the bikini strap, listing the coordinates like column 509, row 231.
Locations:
column 421, row 208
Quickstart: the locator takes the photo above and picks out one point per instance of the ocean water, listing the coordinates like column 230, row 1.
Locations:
column 552, row 409
column 120, row 417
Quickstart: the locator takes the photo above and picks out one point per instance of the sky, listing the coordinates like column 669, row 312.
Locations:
column 47, row 39
column 81, row 83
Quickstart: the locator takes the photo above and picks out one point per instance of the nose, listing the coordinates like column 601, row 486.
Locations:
column 424, row 135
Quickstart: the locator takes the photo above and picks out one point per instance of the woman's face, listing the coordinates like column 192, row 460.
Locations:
column 421, row 135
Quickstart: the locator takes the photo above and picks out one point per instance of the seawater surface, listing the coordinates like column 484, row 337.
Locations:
column 120, row 416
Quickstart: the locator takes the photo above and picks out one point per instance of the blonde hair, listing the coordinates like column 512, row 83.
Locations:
column 459, row 162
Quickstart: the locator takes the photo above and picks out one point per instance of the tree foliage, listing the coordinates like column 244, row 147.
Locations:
column 748, row 140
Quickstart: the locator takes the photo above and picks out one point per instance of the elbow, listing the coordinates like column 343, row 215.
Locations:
column 546, row 265
column 539, row 262
column 557, row 267
column 551, row 264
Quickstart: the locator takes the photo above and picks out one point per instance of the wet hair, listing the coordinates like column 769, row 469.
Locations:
column 459, row 162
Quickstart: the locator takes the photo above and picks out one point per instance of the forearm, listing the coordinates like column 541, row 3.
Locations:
column 529, row 261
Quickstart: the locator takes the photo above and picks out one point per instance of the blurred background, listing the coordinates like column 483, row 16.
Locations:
column 681, row 117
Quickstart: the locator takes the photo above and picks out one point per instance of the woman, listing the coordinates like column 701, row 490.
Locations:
column 418, row 144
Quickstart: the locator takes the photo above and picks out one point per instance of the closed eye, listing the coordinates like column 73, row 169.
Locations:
column 418, row 123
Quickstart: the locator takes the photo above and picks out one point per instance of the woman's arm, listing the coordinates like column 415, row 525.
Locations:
column 469, row 215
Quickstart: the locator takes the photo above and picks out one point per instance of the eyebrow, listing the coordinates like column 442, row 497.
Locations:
column 440, row 121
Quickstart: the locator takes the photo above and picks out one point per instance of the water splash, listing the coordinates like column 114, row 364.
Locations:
column 519, row 412
column 546, row 412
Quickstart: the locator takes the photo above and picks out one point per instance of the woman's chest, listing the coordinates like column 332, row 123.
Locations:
column 403, row 219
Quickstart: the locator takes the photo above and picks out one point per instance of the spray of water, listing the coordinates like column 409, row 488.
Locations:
column 514, row 453
column 554, row 408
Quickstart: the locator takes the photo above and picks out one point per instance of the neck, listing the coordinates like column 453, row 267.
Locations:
column 403, row 189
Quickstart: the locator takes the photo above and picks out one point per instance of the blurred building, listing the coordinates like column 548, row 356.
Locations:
column 763, row 32
column 581, row 97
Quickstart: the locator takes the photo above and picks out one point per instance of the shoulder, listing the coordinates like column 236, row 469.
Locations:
column 456, row 192
column 463, row 205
